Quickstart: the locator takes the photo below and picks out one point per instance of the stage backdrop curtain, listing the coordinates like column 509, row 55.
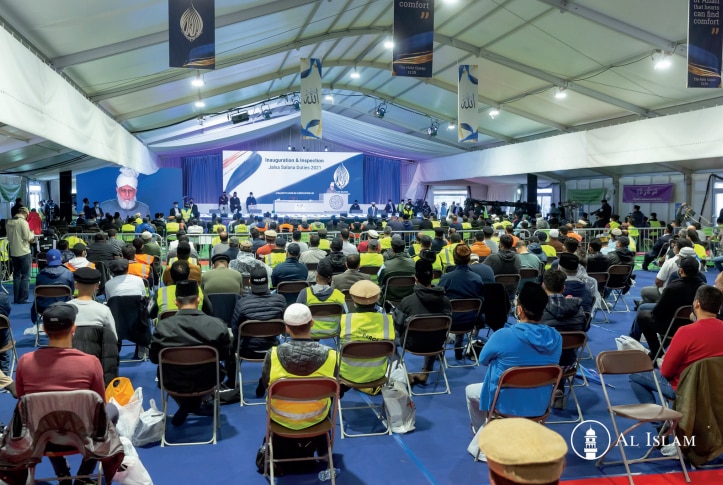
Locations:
column 203, row 178
column 381, row 180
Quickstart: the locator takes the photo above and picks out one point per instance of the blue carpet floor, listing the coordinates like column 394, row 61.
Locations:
column 434, row 453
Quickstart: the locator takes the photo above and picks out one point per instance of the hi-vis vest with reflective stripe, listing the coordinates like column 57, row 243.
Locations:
column 186, row 214
column 325, row 327
column 365, row 326
column 447, row 254
column 437, row 262
column 316, row 225
column 166, row 298
column 273, row 259
column 139, row 269
column 371, row 259
column 299, row 415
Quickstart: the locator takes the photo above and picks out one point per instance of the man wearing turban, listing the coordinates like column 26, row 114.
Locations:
column 126, row 189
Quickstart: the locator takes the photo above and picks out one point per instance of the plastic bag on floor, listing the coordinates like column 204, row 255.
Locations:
column 129, row 414
column 400, row 409
column 398, row 373
column 132, row 471
column 149, row 428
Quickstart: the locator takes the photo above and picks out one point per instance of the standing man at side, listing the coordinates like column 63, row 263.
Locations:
column 19, row 238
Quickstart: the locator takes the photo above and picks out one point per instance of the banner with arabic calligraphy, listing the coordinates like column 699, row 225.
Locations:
column 192, row 34
column 310, row 98
column 467, row 116
column 648, row 193
column 413, row 38
column 705, row 44
column 289, row 175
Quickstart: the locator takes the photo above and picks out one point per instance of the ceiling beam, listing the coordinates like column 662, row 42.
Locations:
column 662, row 43
column 677, row 168
column 176, row 75
column 267, row 8
column 545, row 76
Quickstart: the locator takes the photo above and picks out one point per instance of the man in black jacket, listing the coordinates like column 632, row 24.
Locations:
column 425, row 300
column 657, row 247
column 680, row 292
column 190, row 326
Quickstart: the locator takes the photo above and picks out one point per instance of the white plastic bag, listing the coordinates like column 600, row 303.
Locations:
column 131, row 471
column 473, row 446
column 398, row 373
column 149, row 427
column 626, row 342
column 129, row 414
column 401, row 412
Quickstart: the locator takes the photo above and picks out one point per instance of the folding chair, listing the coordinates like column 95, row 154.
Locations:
column 602, row 281
column 526, row 377
column 402, row 286
column 349, row 301
column 67, row 423
column 132, row 323
column 255, row 329
column 327, row 321
column 574, row 342
column 290, row 290
column 618, row 275
column 680, row 319
column 173, row 361
column 465, row 308
column 529, row 273
column 223, row 305
column 510, row 282
column 301, row 390
column 372, row 271
column 10, row 346
column 632, row 362
column 166, row 313
column 426, row 326
column 365, row 354
column 48, row 291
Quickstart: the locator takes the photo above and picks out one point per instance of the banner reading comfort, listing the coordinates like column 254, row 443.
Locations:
column 192, row 34
column 310, row 98
column 413, row 38
column 287, row 175
column 467, row 116
column 705, row 44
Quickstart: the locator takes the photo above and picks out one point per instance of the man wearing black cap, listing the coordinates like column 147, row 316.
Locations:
column 80, row 260
column 679, row 292
column 122, row 283
column 260, row 304
column 59, row 367
column 321, row 291
column 398, row 263
column 426, row 300
column 190, row 326
column 336, row 257
column 527, row 343
column 221, row 279
column 291, row 269
column 90, row 312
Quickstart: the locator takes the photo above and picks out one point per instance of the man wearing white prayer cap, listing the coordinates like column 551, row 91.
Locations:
column 126, row 189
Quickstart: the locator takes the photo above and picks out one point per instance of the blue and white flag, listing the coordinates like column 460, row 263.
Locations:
column 467, row 116
column 413, row 38
column 192, row 34
column 705, row 44
column 310, row 98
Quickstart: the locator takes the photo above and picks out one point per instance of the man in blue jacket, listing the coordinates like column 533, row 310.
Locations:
column 524, row 344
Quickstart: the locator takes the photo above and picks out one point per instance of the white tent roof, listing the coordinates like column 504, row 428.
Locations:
column 601, row 52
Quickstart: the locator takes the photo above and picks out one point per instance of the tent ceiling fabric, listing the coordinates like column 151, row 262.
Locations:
column 116, row 52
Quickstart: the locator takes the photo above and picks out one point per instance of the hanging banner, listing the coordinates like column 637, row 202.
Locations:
column 705, row 44
column 648, row 193
column 586, row 196
column 192, row 34
column 413, row 38
column 310, row 101
column 467, row 116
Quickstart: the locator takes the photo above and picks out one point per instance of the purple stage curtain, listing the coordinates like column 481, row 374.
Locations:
column 203, row 178
column 381, row 179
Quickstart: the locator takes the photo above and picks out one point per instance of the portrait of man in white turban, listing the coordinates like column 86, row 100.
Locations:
column 126, row 202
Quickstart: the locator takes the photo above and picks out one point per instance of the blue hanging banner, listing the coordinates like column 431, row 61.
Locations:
column 413, row 38
column 705, row 44
column 467, row 115
column 310, row 102
column 192, row 34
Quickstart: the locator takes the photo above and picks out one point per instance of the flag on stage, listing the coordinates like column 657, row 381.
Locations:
column 310, row 98
column 413, row 38
column 192, row 34
column 705, row 44
column 467, row 116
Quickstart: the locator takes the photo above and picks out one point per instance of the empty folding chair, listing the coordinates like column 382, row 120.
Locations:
column 291, row 289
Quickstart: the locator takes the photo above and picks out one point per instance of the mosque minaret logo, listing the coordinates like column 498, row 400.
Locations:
column 590, row 444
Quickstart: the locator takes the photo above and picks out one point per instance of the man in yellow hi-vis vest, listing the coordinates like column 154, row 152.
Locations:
column 298, row 358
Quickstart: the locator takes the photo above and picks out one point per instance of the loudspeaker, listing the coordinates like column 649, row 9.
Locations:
column 66, row 195
column 240, row 117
